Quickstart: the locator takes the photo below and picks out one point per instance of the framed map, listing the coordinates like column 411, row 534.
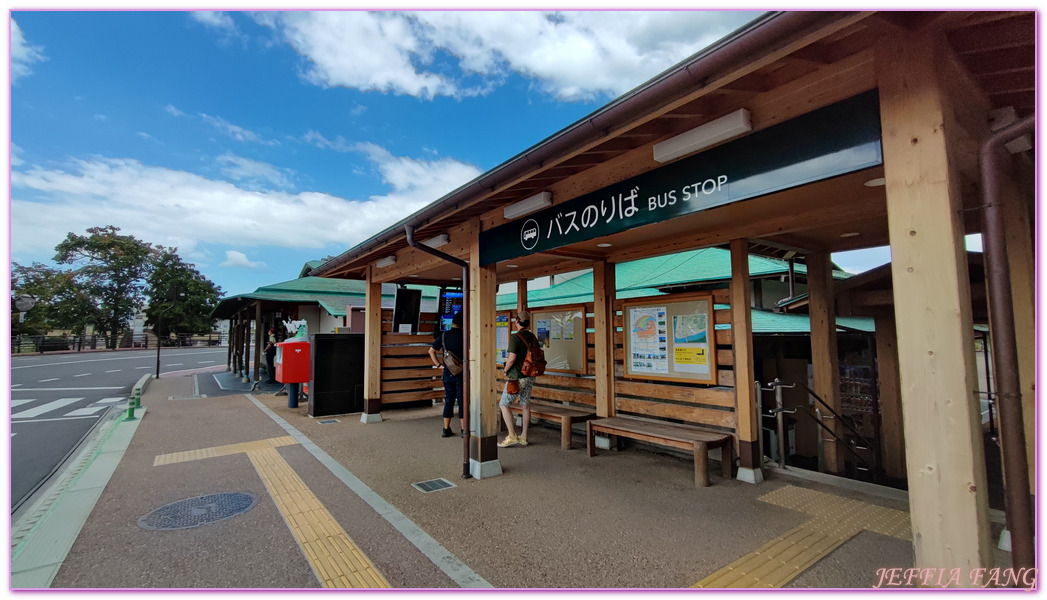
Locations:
column 670, row 338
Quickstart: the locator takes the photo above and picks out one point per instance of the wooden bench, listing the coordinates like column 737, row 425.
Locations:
column 684, row 437
column 559, row 413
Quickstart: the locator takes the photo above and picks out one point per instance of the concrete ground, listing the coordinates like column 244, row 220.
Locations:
column 555, row 519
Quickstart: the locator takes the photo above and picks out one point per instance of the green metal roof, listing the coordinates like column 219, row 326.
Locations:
column 330, row 293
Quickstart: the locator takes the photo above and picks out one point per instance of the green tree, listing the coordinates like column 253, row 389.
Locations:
column 181, row 299
column 111, row 270
column 61, row 302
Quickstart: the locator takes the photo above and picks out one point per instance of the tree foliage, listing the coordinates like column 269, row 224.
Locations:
column 112, row 269
column 107, row 280
column 181, row 299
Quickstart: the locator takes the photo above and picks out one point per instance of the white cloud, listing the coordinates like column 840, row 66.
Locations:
column 101, row 117
column 253, row 174
column 16, row 158
column 146, row 136
column 238, row 260
column 572, row 55
column 236, row 132
column 170, row 108
column 23, row 55
column 214, row 19
column 177, row 208
column 338, row 144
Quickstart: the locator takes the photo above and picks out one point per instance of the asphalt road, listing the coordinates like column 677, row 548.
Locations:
column 56, row 399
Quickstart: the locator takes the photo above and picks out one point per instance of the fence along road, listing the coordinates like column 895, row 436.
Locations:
column 57, row 399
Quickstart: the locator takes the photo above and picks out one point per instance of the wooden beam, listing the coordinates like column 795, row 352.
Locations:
column 824, row 352
column 892, row 428
column 943, row 443
column 744, row 364
column 521, row 296
column 603, row 324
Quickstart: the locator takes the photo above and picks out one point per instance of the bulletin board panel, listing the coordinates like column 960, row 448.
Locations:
column 670, row 338
column 503, row 328
column 561, row 334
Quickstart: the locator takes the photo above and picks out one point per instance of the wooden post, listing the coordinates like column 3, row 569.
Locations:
column 892, row 432
column 603, row 323
column 483, row 401
column 258, row 334
column 751, row 469
column 372, row 349
column 943, row 443
column 521, row 296
column 824, row 353
column 247, row 349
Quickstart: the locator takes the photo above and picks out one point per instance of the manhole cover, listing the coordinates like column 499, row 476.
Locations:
column 433, row 485
column 202, row 510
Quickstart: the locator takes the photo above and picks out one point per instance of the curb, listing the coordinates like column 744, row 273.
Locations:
column 52, row 526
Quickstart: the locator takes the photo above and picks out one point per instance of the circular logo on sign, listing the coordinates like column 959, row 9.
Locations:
column 529, row 234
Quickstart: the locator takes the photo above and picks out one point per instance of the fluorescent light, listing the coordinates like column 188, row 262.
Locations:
column 603, row 245
column 877, row 182
column 724, row 128
column 524, row 207
column 436, row 242
column 388, row 261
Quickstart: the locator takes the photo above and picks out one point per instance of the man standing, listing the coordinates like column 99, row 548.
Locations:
column 451, row 366
column 270, row 355
column 513, row 361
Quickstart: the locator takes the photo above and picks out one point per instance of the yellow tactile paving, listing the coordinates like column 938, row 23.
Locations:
column 242, row 448
column 335, row 559
column 835, row 520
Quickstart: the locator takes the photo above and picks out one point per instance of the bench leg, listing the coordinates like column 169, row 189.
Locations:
column 727, row 459
column 701, row 464
column 565, row 433
column 590, row 445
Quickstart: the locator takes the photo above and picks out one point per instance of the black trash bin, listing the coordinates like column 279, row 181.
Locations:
column 336, row 374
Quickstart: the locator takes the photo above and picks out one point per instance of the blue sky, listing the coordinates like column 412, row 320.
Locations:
column 255, row 141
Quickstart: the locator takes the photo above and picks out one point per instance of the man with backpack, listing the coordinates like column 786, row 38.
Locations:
column 518, row 386
column 452, row 368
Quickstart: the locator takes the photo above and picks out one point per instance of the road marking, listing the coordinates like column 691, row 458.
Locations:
column 53, row 419
column 13, row 434
column 114, row 371
column 143, row 367
column 111, row 400
column 175, row 365
column 87, row 410
column 51, row 379
column 76, row 389
column 82, row 375
column 336, row 561
column 142, row 356
column 205, row 362
column 15, row 403
column 14, row 385
column 834, row 520
column 36, row 411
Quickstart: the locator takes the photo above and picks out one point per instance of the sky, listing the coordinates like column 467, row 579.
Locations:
column 256, row 141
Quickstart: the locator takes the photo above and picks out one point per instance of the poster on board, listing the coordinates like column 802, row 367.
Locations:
column 501, row 337
column 671, row 338
column 560, row 332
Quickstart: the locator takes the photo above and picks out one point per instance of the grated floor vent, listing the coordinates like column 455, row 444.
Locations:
column 433, row 485
column 202, row 510
column 327, row 421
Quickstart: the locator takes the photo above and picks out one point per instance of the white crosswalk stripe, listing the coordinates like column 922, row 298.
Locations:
column 87, row 410
column 15, row 403
column 36, row 411
column 111, row 400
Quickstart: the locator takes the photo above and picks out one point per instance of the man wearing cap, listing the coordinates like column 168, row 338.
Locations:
column 518, row 344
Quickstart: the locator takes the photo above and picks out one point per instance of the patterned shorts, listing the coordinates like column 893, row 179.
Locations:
column 524, row 396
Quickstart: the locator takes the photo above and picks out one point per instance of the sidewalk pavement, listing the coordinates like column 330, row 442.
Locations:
column 334, row 506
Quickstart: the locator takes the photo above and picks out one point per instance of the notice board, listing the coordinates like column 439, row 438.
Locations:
column 670, row 338
column 561, row 334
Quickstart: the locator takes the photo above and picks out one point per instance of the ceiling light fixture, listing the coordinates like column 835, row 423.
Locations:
column 703, row 136
column 388, row 261
column 512, row 266
column 441, row 240
column 603, row 245
column 850, row 234
column 528, row 206
column 879, row 181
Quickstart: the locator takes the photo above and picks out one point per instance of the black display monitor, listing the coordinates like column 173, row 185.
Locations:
column 406, row 308
column 450, row 304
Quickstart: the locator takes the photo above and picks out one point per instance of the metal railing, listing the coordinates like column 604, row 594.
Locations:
column 26, row 344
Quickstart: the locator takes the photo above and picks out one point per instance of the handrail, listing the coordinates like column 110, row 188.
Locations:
column 836, row 416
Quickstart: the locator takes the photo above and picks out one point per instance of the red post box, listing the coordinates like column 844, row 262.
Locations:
column 292, row 361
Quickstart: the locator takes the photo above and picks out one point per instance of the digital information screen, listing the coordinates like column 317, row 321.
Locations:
column 450, row 304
